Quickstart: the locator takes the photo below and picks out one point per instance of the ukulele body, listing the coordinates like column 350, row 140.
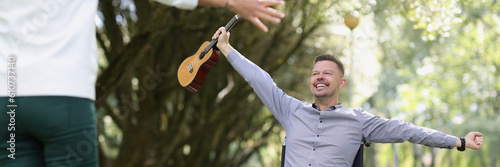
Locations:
column 193, row 70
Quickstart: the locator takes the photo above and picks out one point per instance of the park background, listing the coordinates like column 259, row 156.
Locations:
column 435, row 63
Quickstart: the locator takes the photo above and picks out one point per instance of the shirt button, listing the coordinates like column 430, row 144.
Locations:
column 317, row 135
column 314, row 149
column 309, row 164
column 320, row 121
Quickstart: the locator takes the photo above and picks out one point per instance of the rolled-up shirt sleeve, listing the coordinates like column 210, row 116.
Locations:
column 381, row 130
column 181, row 4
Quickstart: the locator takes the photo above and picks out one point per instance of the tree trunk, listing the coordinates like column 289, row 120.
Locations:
column 395, row 154
column 417, row 156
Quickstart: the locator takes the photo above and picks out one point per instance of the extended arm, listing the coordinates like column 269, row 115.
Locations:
column 252, row 10
column 278, row 102
column 382, row 130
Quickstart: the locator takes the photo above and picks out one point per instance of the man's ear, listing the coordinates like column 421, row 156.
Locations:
column 342, row 83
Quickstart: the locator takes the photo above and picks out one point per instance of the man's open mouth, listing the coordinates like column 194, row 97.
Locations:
column 321, row 85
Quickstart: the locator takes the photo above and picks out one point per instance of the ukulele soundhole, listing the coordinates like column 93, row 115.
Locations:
column 190, row 68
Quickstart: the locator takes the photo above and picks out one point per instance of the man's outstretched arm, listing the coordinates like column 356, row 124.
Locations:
column 381, row 130
column 277, row 101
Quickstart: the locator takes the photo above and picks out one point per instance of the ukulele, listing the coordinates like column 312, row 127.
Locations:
column 194, row 69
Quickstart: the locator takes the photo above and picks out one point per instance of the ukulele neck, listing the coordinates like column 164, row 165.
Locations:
column 214, row 42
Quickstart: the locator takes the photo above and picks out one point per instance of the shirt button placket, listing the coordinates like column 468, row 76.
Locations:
column 320, row 121
column 320, row 126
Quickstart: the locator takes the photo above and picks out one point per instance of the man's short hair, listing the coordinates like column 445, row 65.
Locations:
column 332, row 58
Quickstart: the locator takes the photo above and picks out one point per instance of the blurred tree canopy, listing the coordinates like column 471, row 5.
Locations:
column 439, row 67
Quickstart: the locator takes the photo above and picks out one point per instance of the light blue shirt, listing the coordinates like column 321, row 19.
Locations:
column 329, row 137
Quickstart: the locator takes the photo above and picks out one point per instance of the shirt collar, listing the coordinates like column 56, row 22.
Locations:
column 339, row 105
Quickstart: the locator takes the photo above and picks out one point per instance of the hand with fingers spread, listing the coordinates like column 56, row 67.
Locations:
column 254, row 10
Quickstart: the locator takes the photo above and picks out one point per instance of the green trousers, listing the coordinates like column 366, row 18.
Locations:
column 48, row 131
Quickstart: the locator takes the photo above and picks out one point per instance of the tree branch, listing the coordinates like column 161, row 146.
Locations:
column 101, row 42
column 111, row 27
column 110, row 78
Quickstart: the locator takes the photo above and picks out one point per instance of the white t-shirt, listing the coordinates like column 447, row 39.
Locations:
column 54, row 41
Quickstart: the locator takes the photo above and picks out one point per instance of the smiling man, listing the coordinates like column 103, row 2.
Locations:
column 326, row 80
column 325, row 133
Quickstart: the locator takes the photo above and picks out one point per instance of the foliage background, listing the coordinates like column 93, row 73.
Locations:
column 435, row 63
